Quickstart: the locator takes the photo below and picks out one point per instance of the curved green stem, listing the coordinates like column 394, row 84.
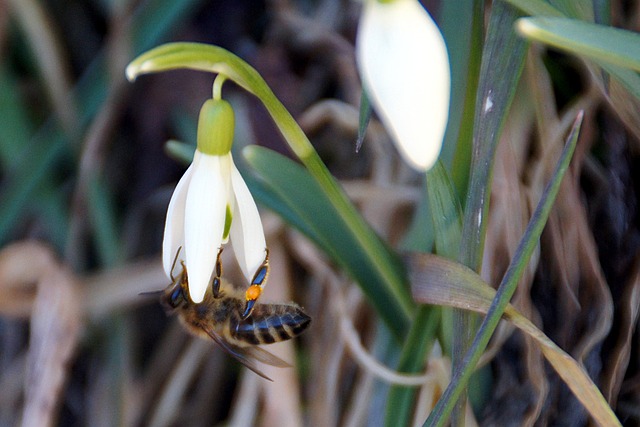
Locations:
column 217, row 86
column 214, row 59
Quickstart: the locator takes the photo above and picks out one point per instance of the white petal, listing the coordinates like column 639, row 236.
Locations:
column 204, row 221
column 404, row 66
column 246, row 233
column 174, row 224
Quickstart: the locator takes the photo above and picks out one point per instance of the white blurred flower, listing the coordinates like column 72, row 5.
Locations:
column 404, row 66
column 211, row 204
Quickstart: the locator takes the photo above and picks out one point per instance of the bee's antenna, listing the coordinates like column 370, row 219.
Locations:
column 151, row 293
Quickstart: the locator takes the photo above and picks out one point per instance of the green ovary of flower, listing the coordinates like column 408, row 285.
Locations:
column 215, row 127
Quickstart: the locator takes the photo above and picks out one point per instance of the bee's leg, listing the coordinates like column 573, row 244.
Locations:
column 173, row 280
column 257, row 284
column 217, row 274
column 183, row 276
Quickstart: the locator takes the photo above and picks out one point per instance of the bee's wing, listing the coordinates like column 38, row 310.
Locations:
column 247, row 355
column 264, row 356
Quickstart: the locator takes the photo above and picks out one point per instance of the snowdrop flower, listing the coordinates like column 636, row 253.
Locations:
column 404, row 66
column 210, row 205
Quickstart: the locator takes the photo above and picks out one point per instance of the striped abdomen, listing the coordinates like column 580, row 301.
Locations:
column 269, row 323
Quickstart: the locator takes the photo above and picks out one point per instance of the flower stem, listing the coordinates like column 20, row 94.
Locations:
column 217, row 86
column 214, row 59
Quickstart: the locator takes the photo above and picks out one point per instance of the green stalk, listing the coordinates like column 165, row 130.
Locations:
column 500, row 70
column 464, row 323
column 446, row 214
column 462, row 140
column 214, row 59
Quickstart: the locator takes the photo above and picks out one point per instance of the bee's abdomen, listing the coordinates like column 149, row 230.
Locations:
column 270, row 323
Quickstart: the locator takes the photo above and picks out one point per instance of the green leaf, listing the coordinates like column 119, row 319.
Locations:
column 579, row 9
column 27, row 178
column 627, row 77
column 15, row 124
column 50, row 145
column 103, row 218
column 363, row 121
column 536, row 7
column 180, row 151
column 602, row 12
column 446, row 212
column 52, row 209
column 508, row 285
column 465, row 54
column 600, row 43
column 420, row 235
column 401, row 400
column 290, row 185
column 502, row 63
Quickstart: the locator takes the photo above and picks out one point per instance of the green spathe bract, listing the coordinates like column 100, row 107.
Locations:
column 215, row 127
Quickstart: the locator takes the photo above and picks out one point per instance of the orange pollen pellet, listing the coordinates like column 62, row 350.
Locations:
column 253, row 293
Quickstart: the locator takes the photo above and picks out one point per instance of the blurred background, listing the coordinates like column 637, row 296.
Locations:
column 86, row 180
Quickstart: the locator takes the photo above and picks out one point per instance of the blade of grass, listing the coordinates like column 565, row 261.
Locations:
column 446, row 214
column 602, row 12
column 49, row 145
column 502, row 63
column 579, row 9
column 17, row 190
column 465, row 54
column 49, row 55
column 628, row 78
column 452, row 284
column 508, row 285
column 16, row 126
column 365, row 116
column 614, row 50
column 536, row 7
column 600, row 43
column 420, row 235
column 401, row 400
column 53, row 209
column 103, row 217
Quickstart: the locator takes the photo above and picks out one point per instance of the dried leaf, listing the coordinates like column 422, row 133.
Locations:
column 436, row 280
column 22, row 265
column 621, row 351
column 55, row 329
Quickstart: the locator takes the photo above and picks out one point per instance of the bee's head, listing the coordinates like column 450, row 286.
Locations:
column 175, row 297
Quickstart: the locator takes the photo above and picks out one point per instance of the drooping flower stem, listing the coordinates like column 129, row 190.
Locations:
column 217, row 86
column 217, row 60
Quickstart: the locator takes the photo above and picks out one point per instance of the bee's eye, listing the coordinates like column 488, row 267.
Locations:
column 176, row 298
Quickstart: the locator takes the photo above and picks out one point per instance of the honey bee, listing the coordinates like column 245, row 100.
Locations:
column 220, row 318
